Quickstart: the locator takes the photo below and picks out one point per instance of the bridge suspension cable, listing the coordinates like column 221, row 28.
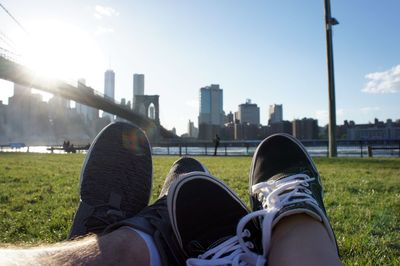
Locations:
column 14, row 19
column 7, row 41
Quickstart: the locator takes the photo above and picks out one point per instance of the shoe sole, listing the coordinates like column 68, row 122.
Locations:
column 126, row 181
column 95, row 188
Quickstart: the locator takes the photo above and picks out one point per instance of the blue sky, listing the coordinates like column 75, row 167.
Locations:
column 267, row 51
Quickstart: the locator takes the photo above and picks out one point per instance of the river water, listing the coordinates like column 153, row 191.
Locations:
column 316, row 151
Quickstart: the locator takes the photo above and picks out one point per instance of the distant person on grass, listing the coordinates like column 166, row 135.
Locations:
column 197, row 219
column 216, row 142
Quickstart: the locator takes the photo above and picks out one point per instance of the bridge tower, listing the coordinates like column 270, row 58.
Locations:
column 148, row 106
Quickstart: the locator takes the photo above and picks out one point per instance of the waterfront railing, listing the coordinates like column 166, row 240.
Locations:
column 317, row 148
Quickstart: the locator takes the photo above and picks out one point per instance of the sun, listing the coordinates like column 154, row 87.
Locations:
column 56, row 49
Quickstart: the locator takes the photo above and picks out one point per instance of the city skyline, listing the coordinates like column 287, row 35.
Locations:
column 252, row 50
column 27, row 119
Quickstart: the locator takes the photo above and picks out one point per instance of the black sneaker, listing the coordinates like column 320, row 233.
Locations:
column 284, row 181
column 154, row 219
column 182, row 166
column 206, row 219
column 116, row 178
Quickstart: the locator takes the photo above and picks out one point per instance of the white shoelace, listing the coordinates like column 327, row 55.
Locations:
column 230, row 252
column 235, row 251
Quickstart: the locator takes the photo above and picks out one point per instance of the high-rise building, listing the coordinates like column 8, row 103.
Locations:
column 211, row 105
column 80, row 108
column 230, row 117
column 138, row 84
column 109, row 84
column 275, row 113
column 306, row 128
column 109, row 89
column 211, row 116
column 138, row 87
column 249, row 113
column 192, row 130
column 89, row 114
column 26, row 114
column 21, row 90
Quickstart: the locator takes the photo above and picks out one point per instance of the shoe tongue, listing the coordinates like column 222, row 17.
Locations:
column 197, row 247
column 219, row 241
column 290, row 171
column 210, row 237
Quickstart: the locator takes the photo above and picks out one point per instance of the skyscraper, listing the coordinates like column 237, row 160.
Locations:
column 89, row 114
column 275, row 113
column 249, row 113
column 193, row 132
column 211, row 116
column 21, row 90
column 138, row 87
column 306, row 128
column 109, row 89
column 138, row 84
column 80, row 108
column 109, row 84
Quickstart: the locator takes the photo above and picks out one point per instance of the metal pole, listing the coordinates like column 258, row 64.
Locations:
column 329, row 22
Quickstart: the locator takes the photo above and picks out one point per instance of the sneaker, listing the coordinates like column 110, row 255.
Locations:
column 116, row 179
column 182, row 166
column 206, row 219
column 154, row 219
column 284, row 181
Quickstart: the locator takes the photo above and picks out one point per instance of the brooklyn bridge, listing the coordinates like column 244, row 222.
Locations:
column 13, row 71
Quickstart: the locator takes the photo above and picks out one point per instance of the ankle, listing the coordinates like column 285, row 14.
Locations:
column 288, row 224
column 305, row 237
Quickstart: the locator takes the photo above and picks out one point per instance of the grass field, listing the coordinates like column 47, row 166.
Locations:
column 39, row 193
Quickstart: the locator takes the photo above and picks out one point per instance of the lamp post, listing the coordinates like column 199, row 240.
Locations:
column 329, row 22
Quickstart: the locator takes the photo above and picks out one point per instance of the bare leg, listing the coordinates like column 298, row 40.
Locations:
column 301, row 240
column 121, row 247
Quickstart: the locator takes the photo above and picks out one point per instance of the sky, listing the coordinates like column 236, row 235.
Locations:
column 272, row 52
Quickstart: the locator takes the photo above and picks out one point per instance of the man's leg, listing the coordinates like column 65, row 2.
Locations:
column 153, row 222
column 286, row 190
column 120, row 247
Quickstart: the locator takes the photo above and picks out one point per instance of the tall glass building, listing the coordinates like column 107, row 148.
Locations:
column 109, row 88
column 109, row 84
column 211, row 115
column 275, row 114
column 211, row 105
column 138, row 84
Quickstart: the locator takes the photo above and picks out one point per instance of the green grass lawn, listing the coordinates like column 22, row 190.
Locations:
column 39, row 193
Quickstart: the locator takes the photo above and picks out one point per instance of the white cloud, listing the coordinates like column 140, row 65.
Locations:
column 104, row 30
column 104, row 11
column 383, row 82
column 369, row 110
column 323, row 116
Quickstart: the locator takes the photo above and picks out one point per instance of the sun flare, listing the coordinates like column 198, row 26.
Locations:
column 60, row 50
